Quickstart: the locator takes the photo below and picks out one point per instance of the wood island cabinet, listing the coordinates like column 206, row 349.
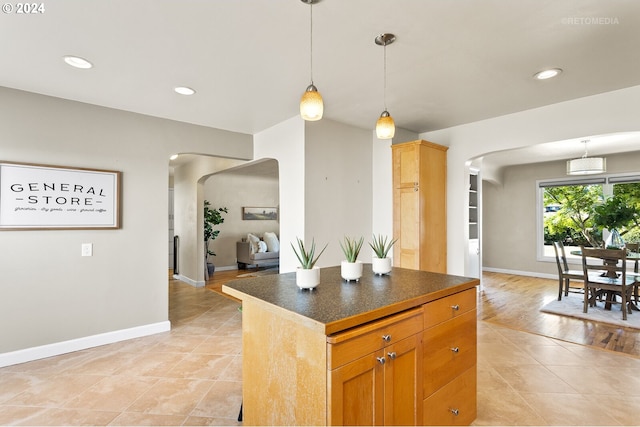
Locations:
column 383, row 387
column 419, row 205
column 405, row 356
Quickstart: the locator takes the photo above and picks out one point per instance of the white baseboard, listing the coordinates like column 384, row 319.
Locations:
column 227, row 268
column 199, row 283
column 188, row 281
column 521, row 273
column 56, row 349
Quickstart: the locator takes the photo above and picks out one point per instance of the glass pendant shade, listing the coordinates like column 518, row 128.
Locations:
column 311, row 105
column 385, row 127
column 586, row 166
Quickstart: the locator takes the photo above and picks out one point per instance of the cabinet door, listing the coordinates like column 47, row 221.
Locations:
column 403, row 382
column 406, row 165
column 407, row 228
column 356, row 392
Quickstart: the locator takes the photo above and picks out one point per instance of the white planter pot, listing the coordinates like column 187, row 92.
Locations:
column 307, row 278
column 351, row 270
column 381, row 266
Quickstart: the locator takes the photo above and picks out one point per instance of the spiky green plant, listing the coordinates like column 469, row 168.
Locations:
column 307, row 261
column 212, row 217
column 380, row 246
column 351, row 248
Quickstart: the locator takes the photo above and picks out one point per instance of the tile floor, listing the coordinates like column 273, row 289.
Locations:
column 192, row 376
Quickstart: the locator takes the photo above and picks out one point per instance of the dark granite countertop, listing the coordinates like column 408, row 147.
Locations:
column 335, row 304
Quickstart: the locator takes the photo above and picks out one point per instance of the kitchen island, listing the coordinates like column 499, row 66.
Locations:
column 398, row 349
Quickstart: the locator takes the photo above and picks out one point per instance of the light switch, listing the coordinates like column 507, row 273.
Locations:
column 87, row 249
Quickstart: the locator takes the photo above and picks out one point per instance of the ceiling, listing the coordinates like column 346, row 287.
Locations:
column 453, row 62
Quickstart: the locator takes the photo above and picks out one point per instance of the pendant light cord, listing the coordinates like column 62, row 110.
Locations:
column 311, row 41
column 586, row 154
column 384, row 96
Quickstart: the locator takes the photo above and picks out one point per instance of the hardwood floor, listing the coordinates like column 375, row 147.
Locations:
column 219, row 278
column 514, row 301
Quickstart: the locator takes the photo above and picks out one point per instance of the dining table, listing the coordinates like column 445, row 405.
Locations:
column 631, row 256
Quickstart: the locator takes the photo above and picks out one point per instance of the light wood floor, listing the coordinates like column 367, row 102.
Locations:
column 514, row 301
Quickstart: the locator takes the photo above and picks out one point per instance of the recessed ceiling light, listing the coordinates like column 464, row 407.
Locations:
column 183, row 90
column 547, row 74
column 173, row 157
column 77, row 62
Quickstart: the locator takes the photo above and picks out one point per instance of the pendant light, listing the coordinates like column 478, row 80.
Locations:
column 385, row 127
column 311, row 105
column 586, row 165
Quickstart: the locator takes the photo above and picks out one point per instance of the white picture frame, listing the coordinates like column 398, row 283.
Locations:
column 44, row 197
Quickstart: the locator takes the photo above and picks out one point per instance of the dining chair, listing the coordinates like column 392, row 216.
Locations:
column 633, row 247
column 565, row 275
column 611, row 282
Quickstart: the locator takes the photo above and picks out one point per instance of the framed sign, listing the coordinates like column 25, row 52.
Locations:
column 51, row 197
column 259, row 213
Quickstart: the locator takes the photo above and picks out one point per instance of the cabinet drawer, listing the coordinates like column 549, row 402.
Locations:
column 447, row 308
column 454, row 404
column 357, row 342
column 448, row 350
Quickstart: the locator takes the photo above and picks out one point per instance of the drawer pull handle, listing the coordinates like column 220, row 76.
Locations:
column 386, row 338
column 392, row 355
column 455, row 349
column 382, row 360
column 455, row 412
column 455, row 307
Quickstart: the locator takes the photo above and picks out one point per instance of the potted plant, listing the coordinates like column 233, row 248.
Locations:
column 380, row 262
column 351, row 268
column 307, row 275
column 212, row 217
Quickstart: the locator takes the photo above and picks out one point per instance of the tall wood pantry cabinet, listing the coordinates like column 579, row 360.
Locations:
column 419, row 205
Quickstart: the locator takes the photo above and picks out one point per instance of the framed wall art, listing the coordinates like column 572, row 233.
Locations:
column 36, row 196
column 259, row 213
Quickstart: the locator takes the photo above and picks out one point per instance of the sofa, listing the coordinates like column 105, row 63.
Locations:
column 258, row 250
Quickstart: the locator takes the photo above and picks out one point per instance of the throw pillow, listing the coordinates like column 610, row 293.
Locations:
column 253, row 242
column 262, row 246
column 273, row 245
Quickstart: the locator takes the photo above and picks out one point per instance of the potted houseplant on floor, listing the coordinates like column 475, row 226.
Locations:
column 351, row 268
column 212, row 217
column 307, row 275
column 380, row 262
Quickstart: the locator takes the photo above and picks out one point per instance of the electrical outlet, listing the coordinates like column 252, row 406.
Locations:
column 87, row 249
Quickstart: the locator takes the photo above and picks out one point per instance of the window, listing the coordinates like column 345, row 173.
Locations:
column 630, row 192
column 566, row 211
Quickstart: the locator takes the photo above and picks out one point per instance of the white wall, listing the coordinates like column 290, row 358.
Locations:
column 285, row 142
column 338, row 202
column 54, row 300
column 325, row 184
column 594, row 115
column 381, row 188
